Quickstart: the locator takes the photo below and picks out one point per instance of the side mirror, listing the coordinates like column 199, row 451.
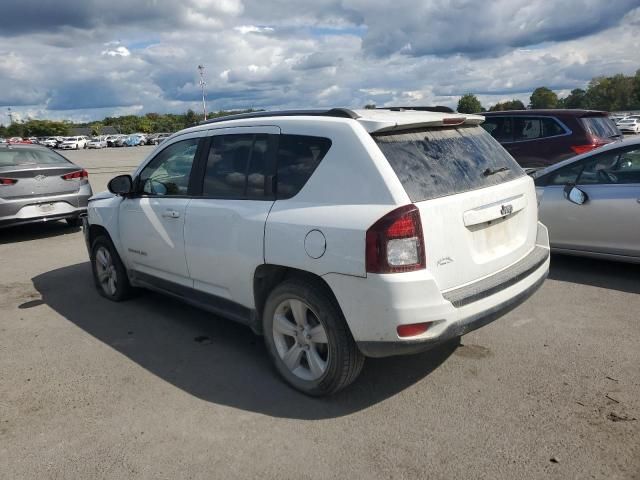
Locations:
column 575, row 195
column 121, row 185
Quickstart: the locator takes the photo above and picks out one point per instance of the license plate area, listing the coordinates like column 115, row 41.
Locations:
column 46, row 207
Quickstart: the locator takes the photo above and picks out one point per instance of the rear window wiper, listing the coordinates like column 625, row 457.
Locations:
column 490, row 171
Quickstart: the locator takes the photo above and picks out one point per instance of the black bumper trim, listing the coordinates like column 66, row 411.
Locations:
column 388, row 349
column 42, row 219
column 510, row 276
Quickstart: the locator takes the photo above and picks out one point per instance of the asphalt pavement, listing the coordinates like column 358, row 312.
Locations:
column 151, row 388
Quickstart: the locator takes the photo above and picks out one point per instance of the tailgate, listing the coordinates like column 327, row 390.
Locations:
column 475, row 234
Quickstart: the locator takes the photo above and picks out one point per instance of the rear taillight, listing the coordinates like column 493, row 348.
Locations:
column 595, row 143
column 8, row 181
column 395, row 242
column 77, row 175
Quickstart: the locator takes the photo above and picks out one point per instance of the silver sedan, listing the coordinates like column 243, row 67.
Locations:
column 40, row 185
column 591, row 202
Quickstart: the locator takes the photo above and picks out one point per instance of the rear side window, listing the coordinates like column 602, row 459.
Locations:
column 237, row 167
column 298, row 157
column 434, row 163
column 500, row 128
column 602, row 127
column 531, row 128
column 10, row 157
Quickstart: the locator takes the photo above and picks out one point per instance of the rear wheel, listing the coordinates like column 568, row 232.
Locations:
column 308, row 339
column 109, row 273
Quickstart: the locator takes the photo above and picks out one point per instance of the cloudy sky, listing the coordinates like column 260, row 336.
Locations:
column 86, row 59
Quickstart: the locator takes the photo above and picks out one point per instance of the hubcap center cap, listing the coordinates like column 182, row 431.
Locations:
column 303, row 337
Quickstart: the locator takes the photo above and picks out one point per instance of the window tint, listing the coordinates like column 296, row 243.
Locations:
column 236, row 167
column 444, row 161
column 499, row 128
column 168, row 173
column 530, row 128
column 298, row 157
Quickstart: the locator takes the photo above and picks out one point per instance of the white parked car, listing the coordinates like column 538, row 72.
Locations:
column 629, row 125
column 74, row 143
column 98, row 142
column 51, row 142
column 336, row 234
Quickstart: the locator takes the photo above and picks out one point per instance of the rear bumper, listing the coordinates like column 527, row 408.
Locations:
column 375, row 306
column 44, row 209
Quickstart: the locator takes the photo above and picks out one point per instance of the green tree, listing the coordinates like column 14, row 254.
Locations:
column 370, row 106
column 611, row 93
column 96, row 128
column 508, row 105
column 576, row 99
column 543, row 97
column 469, row 103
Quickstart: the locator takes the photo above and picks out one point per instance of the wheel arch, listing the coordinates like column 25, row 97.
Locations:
column 268, row 276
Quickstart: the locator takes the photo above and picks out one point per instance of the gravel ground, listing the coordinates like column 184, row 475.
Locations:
column 151, row 388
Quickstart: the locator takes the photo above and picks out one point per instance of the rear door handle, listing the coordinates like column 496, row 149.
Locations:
column 171, row 214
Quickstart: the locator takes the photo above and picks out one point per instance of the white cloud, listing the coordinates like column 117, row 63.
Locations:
column 287, row 54
column 119, row 51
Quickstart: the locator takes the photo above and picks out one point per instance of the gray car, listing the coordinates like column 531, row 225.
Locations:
column 591, row 202
column 40, row 185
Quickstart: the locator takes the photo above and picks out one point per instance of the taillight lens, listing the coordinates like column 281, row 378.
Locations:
column 8, row 181
column 595, row 143
column 395, row 242
column 77, row 175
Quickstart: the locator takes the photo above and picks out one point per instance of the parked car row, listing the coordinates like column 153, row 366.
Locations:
column 81, row 141
column 629, row 124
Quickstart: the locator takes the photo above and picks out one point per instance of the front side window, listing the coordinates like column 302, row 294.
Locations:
column 168, row 173
column 237, row 167
column 614, row 167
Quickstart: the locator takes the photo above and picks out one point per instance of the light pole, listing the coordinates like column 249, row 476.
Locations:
column 9, row 112
column 202, row 85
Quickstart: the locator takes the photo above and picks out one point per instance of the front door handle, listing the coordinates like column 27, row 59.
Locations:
column 171, row 214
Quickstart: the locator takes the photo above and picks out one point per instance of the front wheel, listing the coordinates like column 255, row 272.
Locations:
column 109, row 273
column 308, row 339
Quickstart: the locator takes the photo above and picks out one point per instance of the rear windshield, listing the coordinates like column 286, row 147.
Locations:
column 10, row 157
column 602, row 127
column 434, row 163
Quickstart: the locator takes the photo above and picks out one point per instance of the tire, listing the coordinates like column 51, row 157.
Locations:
column 77, row 146
column 315, row 368
column 74, row 222
column 118, row 290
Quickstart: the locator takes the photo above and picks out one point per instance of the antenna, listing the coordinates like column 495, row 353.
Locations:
column 202, row 85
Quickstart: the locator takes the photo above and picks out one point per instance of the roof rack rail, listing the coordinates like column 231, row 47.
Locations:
column 437, row 108
column 334, row 112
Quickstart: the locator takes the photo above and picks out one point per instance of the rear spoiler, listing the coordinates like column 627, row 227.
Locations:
column 385, row 126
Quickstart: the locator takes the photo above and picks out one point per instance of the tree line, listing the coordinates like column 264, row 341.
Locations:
column 148, row 123
column 617, row 93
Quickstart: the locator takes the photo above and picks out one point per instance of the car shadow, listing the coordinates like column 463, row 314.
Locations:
column 212, row 358
column 624, row 277
column 35, row 231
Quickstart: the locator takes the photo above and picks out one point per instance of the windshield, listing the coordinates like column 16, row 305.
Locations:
column 602, row 127
column 10, row 157
column 434, row 162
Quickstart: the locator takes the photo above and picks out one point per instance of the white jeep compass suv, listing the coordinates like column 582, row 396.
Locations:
column 336, row 234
